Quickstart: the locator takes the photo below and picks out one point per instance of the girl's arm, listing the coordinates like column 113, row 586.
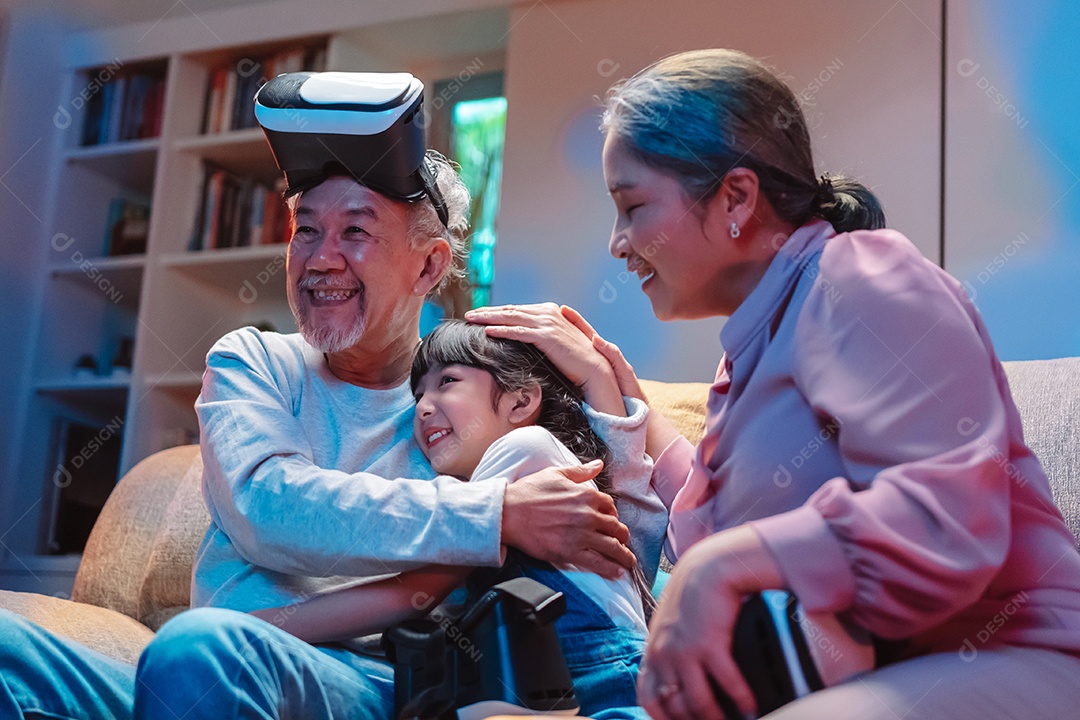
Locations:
column 661, row 432
column 366, row 609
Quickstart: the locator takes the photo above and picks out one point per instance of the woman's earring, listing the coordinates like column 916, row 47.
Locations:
column 734, row 231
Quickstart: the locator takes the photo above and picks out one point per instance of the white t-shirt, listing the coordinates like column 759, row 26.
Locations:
column 529, row 449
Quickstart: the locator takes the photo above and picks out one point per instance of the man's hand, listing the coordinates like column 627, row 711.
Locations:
column 553, row 517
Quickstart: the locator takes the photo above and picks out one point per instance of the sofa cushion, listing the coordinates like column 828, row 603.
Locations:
column 1047, row 394
column 165, row 590
column 681, row 403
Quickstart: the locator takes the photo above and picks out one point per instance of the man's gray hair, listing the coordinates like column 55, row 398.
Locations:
column 424, row 223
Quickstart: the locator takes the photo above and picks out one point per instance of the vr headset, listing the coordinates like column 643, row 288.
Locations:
column 785, row 654
column 502, row 656
column 368, row 125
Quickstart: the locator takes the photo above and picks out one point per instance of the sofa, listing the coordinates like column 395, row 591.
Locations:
column 136, row 569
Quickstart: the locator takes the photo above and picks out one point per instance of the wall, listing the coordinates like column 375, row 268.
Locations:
column 870, row 72
column 1012, row 169
column 26, row 115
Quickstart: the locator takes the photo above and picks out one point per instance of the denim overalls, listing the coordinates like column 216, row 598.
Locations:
column 603, row 659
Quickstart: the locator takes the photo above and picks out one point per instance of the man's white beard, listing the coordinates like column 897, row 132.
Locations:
column 325, row 339
column 332, row 340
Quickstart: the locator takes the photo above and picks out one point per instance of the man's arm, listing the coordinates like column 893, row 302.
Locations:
column 552, row 516
column 283, row 512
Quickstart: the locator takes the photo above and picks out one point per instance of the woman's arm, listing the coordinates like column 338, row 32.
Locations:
column 695, row 621
column 923, row 520
column 366, row 609
column 673, row 453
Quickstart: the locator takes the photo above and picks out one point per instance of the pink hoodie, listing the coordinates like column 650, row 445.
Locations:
column 862, row 423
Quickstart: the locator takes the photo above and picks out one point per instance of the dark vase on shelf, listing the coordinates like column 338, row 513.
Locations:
column 86, row 366
column 121, row 364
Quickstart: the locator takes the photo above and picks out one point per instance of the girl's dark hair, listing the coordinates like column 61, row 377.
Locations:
column 696, row 115
column 514, row 366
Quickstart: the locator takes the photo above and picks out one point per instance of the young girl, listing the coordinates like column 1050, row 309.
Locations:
column 487, row 410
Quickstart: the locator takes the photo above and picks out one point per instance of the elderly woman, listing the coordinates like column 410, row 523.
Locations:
column 919, row 516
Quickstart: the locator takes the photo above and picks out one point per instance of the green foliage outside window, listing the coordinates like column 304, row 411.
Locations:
column 479, row 131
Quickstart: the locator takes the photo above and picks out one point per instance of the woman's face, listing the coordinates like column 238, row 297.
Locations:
column 665, row 238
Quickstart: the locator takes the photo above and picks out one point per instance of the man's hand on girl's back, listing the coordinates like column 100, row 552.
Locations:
column 552, row 516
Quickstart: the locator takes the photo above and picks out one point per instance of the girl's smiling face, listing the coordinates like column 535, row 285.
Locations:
column 460, row 412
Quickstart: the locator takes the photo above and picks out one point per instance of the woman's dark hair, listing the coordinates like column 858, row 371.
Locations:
column 514, row 366
column 697, row 115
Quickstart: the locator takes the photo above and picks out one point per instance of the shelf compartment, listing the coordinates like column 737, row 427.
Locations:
column 119, row 278
column 242, row 152
column 240, row 272
column 102, row 393
column 80, row 318
column 131, row 163
column 85, row 225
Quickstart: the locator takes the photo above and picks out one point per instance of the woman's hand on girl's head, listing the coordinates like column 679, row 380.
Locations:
column 566, row 345
column 690, row 634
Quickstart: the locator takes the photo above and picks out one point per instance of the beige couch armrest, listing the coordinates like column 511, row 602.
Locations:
column 138, row 558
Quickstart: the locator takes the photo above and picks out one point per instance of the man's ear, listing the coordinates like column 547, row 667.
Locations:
column 436, row 264
column 525, row 406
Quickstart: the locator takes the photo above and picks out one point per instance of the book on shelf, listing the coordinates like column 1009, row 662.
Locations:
column 125, row 107
column 126, row 227
column 231, row 87
column 237, row 212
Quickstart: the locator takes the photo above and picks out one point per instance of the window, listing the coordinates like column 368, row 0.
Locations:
column 470, row 126
column 479, row 130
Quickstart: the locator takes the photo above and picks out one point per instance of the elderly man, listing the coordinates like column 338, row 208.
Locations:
column 312, row 476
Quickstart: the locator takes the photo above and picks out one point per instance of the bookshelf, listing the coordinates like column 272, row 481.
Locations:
column 125, row 260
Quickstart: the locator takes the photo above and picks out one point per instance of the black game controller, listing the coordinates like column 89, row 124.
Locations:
column 771, row 651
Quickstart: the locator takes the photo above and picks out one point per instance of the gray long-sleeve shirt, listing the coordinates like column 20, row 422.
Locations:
column 313, row 483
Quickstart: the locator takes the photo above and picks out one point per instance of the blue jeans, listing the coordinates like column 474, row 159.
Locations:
column 213, row 663
column 47, row 676
column 205, row 663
